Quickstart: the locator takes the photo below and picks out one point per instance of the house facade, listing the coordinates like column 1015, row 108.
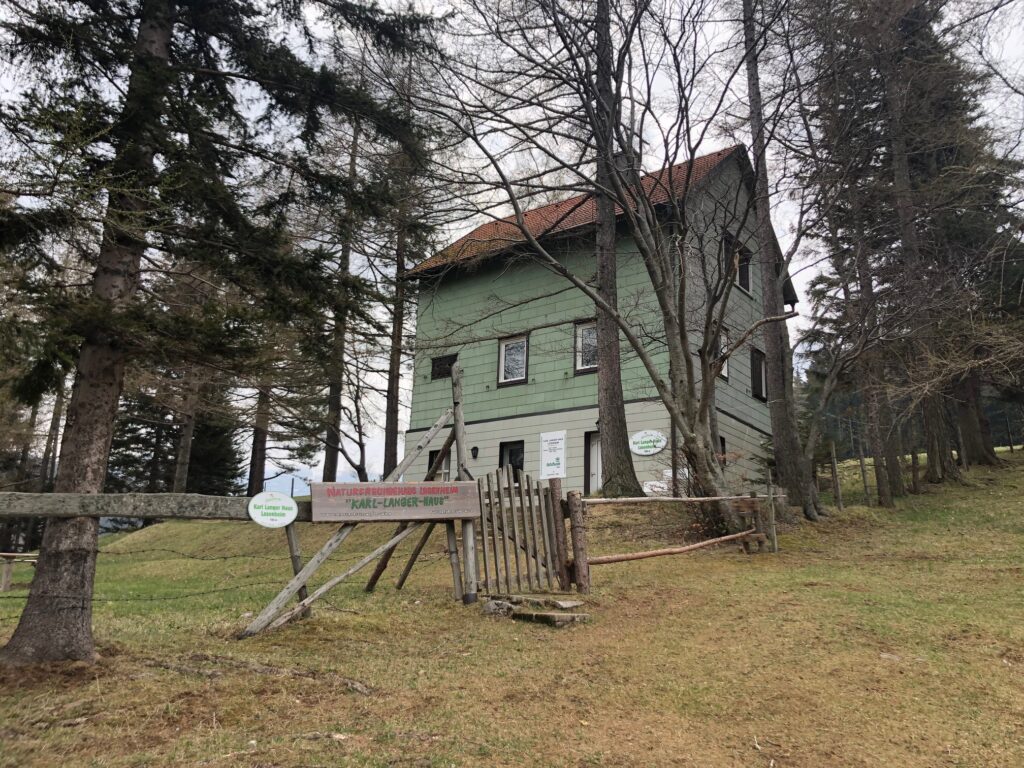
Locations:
column 526, row 342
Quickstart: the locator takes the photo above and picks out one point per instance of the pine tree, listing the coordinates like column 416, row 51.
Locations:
column 143, row 112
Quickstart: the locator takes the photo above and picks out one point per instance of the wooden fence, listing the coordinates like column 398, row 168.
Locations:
column 522, row 531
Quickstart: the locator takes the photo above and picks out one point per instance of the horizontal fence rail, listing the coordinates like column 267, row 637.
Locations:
column 144, row 506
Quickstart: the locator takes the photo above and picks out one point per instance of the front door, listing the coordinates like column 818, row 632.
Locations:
column 592, row 470
column 512, row 454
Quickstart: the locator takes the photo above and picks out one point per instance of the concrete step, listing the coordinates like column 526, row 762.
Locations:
column 551, row 618
column 541, row 601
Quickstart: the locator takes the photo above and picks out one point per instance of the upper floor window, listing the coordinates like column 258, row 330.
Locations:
column 512, row 359
column 734, row 249
column 758, row 375
column 441, row 367
column 586, row 347
column 723, row 347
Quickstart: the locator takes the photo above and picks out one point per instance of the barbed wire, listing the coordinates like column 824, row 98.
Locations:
column 185, row 555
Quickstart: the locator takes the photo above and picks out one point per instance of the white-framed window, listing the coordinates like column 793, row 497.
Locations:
column 445, row 473
column 723, row 346
column 733, row 249
column 586, row 347
column 512, row 360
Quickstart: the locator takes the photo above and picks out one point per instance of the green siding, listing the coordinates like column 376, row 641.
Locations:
column 469, row 311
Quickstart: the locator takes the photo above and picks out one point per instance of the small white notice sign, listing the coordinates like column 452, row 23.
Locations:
column 273, row 509
column 552, row 455
column 647, row 442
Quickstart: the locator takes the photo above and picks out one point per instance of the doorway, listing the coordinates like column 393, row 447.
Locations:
column 591, row 462
column 512, row 454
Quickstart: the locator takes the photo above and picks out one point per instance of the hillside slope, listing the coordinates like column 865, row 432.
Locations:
column 873, row 639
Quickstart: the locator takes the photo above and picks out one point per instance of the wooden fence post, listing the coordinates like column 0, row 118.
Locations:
column 558, row 518
column 469, row 592
column 6, row 574
column 578, row 531
column 296, row 555
column 453, row 558
column 760, row 524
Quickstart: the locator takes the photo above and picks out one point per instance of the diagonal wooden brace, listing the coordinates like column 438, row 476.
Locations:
column 298, row 581
column 332, row 583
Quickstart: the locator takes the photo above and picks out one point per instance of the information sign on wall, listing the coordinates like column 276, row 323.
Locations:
column 376, row 502
column 552, row 455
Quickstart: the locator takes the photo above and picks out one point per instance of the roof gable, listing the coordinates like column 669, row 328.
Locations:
column 565, row 216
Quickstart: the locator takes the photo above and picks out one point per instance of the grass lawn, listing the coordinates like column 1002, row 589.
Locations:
column 874, row 638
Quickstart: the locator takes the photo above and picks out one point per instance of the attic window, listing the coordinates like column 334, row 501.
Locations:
column 731, row 248
column 441, row 367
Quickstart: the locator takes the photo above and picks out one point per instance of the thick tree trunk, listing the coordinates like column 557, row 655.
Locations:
column 941, row 465
column 258, row 455
column 708, row 480
column 974, row 425
column 891, row 446
column 794, row 473
column 618, row 476
column 57, row 621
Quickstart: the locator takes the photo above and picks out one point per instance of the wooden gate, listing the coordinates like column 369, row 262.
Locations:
column 522, row 532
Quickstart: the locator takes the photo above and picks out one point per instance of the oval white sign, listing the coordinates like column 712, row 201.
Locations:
column 273, row 509
column 647, row 442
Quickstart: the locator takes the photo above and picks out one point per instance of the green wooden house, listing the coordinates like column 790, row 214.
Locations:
column 526, row 342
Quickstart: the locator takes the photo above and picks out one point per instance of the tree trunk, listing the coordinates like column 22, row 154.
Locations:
column 26, row 448
column 793, row 472
column 392, row 398
column 156, row 460
column 936, row 434
column 618, row 476
column 336, row 368
column 258, row 455
column 877, row 447
column 52, row 436
column 183, row 454
column 974, row 425
column 891, row 446
column 56, row 624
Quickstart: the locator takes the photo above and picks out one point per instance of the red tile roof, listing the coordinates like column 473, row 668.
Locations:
column 561, row 217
